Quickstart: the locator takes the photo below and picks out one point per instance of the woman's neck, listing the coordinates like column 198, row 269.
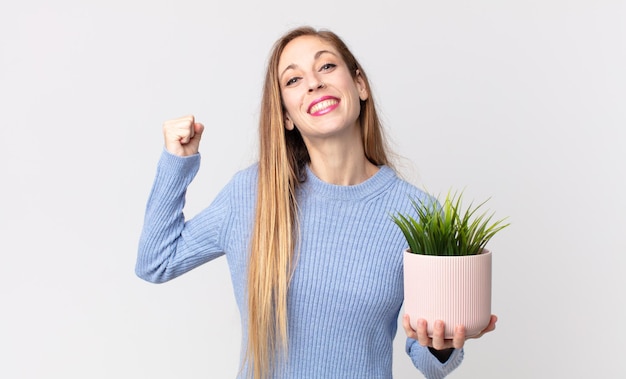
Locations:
column 336, row 162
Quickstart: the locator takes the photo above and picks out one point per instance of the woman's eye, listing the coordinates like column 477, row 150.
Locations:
column 328, row 66
column 291, row 81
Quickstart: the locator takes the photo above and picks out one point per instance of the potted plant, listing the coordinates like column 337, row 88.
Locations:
column 447, row 269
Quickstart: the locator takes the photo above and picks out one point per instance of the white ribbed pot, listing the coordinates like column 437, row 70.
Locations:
column 454, row 289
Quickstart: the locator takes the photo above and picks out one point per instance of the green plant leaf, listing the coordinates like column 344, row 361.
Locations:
column 446, row 229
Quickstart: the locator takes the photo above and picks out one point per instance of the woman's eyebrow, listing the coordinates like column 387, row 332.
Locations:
column 290, row 67
column 321, row 52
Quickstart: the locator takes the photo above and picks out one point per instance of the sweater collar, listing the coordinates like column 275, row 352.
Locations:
column 372, row 186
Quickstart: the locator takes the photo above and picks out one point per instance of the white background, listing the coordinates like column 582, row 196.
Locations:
column 520, row 101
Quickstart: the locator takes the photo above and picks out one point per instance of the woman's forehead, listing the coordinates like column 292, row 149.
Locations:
column 304, row 49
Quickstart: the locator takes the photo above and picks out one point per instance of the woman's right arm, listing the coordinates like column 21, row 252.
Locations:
column 169, row 246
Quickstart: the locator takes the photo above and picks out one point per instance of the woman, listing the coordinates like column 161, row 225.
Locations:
column 315, row 260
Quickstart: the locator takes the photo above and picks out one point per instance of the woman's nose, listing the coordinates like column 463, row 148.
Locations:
column 316, row 84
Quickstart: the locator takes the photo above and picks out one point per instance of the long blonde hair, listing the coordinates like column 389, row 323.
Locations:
column 282, row 160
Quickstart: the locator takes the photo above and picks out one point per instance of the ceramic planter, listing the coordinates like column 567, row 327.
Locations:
column 454, row 289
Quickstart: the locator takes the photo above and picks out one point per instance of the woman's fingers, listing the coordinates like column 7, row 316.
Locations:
column 406, row 324
column 491, row 327
column 459, row 337
column 422, row 333
column 182, row 135
column 438, row 341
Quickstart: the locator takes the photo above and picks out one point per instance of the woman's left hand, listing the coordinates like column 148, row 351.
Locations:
column 438, row 342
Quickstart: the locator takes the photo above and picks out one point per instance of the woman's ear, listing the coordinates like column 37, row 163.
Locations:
column 361, row 87
column 288, row 123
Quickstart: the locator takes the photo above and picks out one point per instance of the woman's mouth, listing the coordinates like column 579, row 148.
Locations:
column 323, row 106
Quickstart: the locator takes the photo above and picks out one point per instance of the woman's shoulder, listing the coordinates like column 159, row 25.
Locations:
column 247, row 174
column 246, row 177
column 404, row 187
column 241, row 189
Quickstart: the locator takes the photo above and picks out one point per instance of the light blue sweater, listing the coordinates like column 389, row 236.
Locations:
column 347, row 289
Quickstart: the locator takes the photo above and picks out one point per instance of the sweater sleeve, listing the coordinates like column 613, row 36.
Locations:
column 169, row 246
column 428, row 364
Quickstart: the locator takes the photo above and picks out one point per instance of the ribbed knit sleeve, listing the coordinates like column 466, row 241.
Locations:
column 428, row 364
column 169, row 246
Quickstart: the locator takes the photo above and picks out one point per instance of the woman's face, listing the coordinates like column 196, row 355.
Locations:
column 320, row 95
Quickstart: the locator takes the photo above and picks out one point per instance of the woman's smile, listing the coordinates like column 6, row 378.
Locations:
column 323, row 105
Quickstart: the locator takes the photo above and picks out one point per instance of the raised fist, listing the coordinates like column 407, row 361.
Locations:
column 182, row 135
